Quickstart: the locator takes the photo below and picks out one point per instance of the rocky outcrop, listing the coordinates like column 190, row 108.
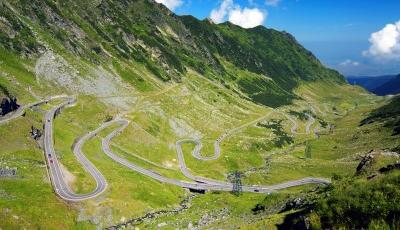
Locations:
column 209, row 218
column 365, row 162
column 8, row 172
column 35, row 133
column 389, row 168
column 184, row 204
column 8, row 105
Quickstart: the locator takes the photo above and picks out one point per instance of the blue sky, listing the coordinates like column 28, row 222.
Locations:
column 337, row 31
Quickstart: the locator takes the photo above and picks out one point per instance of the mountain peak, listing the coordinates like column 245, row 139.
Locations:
column 209, row 20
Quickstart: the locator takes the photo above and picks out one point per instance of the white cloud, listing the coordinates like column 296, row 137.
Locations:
column 385, row 44
column 246, row 18
column 349, row 62
column 219, row 15
column 272, row 2
column 171, row 4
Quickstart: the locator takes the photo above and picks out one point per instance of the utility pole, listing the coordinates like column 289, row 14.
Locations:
column 308, row 150
column 236, row 181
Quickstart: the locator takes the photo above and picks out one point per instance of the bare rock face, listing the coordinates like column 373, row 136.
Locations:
column 389, row 168
column 364, row 163
column 8, row 105
column 35, row 133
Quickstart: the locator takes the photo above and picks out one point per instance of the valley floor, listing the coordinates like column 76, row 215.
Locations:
column 266, row 146
column 132, row 116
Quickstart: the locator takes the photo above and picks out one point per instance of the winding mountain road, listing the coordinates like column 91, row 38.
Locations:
column 192, row 185
column 217, row 151
column 63, row 190
column 61, row 187
column 21, row 110
column 310, row 122
column 202, row 183
column 56, row 176
column 294, row 127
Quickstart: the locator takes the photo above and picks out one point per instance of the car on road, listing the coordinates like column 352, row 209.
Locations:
column 51, row 161
column 49, row 155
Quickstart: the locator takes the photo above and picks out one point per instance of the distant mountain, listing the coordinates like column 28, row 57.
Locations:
column 380, row 85
column 390, row 87
column 369, row 82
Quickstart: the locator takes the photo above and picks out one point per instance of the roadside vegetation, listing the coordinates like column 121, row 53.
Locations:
column 175, row 78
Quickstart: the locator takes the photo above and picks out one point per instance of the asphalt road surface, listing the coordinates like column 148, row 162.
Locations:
column 21, row 110
column 310, row 122
column 63, row 190
column 201, row 183
column 196, row 153
column 60, row 185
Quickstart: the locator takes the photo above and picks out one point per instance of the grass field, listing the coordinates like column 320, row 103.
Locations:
column 163, row 114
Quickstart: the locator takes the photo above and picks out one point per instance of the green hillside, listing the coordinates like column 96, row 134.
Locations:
column 147, row 33
column 276, row 112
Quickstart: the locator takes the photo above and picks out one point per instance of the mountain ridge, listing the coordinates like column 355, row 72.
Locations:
column 376, row 84
column 167, row 44
column 390, row 87
column 189, row 123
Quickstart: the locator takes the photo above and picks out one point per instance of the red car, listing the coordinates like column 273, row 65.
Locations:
column 51, row 161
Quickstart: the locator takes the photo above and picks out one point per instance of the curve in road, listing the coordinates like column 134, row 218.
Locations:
column 64, row 191
column 294, row 127
column 217, row 150
column 246, row 188
column 20, row 111
column 310, row 122
column 60, row 186
column 201, row 183
column 107, row 150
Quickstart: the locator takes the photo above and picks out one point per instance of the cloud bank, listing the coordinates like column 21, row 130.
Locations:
column 219, row 15
column 171, row 4
column 246, row 17
column 385, row 44
column 349, row 62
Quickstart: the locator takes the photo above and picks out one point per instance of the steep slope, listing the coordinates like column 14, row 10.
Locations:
column 148, row 33
column 388, row 114
column 233, row 92
column 279, row 60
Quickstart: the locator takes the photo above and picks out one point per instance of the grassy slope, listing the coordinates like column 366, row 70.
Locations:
column 153, row 138
column 293, row 165
column 210, row 109
column 207, row 102
column 28, row 200
column 165, row 44
column 343, row 147
column 281, row 165
column 388, row 115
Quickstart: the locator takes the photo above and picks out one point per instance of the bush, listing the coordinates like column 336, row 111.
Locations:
column 362, row 204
